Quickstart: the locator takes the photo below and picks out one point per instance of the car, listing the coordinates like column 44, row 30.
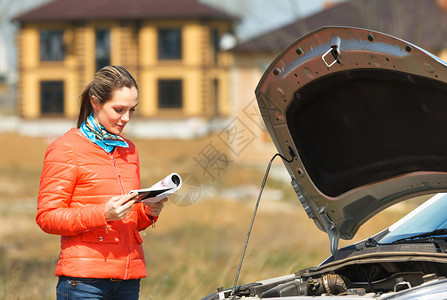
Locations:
column 359, row 118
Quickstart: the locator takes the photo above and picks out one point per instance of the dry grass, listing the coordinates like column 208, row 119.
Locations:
column 192, row 251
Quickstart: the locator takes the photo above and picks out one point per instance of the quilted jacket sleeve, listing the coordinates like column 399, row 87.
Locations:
column 144, row 220
column 57, row 183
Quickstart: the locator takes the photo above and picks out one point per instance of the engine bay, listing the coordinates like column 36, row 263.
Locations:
column 369, row 275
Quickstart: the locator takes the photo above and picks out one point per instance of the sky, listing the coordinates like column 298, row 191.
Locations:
column 9, row 9
column 257, row 17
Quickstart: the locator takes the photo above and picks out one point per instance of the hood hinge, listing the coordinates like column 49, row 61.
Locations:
column 331, row 229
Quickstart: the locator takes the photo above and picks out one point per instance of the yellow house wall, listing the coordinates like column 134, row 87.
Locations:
column 192, row 69
column 34, row 71
column 224, row 92
column 28, row 58
column 29, row 105
column 136, row 48
column 193, row 38
column 89, row 40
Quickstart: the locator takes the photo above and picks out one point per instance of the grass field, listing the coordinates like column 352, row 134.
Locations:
column 192, row 250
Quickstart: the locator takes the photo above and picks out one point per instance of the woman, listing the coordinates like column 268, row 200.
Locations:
column 83, row 195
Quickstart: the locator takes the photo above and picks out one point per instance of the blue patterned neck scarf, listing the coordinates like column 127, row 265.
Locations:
column 99, row 135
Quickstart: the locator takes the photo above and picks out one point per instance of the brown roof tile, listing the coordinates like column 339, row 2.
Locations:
column 83, row 10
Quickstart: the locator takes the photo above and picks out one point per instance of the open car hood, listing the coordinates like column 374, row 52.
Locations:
column 365, row 116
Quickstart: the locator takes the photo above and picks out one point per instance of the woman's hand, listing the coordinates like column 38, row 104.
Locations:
column 118, row 206
column 154, row 209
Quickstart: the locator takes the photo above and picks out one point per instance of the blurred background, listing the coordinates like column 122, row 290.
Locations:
column 197, row 64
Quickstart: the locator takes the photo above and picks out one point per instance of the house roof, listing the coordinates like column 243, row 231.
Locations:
column 83, row 10
column 421, row 22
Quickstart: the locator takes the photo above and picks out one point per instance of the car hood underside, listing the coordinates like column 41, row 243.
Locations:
column 362, row 114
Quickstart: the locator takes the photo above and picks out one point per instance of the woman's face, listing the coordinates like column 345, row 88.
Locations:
column 116, row 112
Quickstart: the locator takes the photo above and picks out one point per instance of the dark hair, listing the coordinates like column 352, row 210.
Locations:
column 105, row 82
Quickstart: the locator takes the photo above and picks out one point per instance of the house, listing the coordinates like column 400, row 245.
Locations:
column 421, row 22
column 170, row 46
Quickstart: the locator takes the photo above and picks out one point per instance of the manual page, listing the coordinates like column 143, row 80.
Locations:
column 165, row 187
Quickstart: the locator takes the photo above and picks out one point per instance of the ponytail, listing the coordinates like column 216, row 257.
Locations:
column 86, row 105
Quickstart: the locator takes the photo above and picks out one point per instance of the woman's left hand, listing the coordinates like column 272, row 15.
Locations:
column 154, row 209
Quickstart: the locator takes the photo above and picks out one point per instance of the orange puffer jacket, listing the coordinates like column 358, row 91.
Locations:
column 78, row 178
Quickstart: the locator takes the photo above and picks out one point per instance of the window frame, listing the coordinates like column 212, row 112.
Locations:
column 108, row 56
column 52, row 88
column 46, row 51
column 166, row 92
column 214, row 43
column 164, row 42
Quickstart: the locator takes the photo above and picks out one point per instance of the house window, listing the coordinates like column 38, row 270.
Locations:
column 52, row 97
column 169, row 43
column 215, row 43
column 170, row 94
column 52, row 45
column 102, row 48
column 216, row 97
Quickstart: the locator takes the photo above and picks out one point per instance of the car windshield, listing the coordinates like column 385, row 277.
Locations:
column 428, row 217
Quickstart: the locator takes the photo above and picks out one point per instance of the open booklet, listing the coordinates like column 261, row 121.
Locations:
column 165, row 187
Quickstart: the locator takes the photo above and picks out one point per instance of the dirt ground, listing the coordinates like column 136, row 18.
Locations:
column 193, row 249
